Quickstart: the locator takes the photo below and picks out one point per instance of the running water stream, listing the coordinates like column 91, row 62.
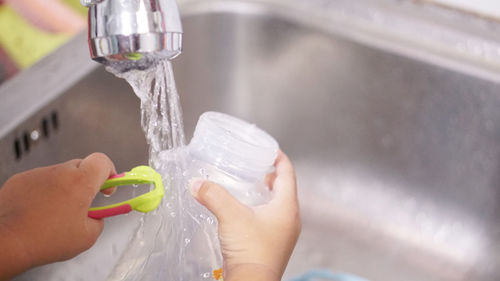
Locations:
column 177, row 242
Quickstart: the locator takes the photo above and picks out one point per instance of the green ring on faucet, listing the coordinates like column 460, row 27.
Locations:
column 134, row 56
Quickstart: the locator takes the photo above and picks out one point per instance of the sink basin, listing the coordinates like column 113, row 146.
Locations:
column 396, row 143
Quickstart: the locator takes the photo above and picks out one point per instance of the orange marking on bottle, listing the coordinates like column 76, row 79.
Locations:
column 218, row 274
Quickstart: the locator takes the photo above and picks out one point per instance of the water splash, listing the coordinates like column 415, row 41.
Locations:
column 161, row 113
column 171, row 243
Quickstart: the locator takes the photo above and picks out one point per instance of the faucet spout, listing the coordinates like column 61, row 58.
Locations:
column 129, row 34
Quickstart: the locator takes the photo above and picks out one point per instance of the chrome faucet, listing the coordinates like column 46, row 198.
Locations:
column 128, row 34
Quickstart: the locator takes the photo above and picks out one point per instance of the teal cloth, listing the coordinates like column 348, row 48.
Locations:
column 322, row 274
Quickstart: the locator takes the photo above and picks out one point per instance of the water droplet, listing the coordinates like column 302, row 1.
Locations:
column 202, row 216
column 187, row 241
column 210, row 220
column 206, row 275
column 135, row 185
column 173, row 214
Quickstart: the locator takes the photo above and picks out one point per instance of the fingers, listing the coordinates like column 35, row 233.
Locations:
column 218, row 201
column 98, row 168
column 73, row 163
column 94, row 230
column 285, row 186
column 109, row 191
column 269, row 180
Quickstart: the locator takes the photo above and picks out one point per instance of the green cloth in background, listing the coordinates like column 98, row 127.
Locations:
column 75, row 4
column 24, row 43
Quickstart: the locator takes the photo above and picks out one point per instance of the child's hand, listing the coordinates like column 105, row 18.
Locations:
column 256, row 242
column 43, row 213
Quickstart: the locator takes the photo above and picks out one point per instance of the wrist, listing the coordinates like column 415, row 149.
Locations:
column 250, row 272
column 14, row 258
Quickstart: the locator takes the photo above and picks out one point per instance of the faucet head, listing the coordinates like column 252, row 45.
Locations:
column 133, row 34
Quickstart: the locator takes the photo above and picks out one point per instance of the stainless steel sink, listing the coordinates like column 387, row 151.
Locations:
column 394, row 131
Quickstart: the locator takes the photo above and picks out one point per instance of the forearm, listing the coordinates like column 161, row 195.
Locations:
column 13, row 257
column 251, row 272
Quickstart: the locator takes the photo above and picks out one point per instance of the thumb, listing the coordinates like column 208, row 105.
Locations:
column 218, row 201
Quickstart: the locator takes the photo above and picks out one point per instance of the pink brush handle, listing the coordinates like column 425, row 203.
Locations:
column 115, row 211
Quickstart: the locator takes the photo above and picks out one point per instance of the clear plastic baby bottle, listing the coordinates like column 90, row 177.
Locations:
column 180, row 241
column 234, row 154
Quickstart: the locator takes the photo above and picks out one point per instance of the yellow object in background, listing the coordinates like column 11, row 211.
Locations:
column 24, row 43
column 75, row 5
